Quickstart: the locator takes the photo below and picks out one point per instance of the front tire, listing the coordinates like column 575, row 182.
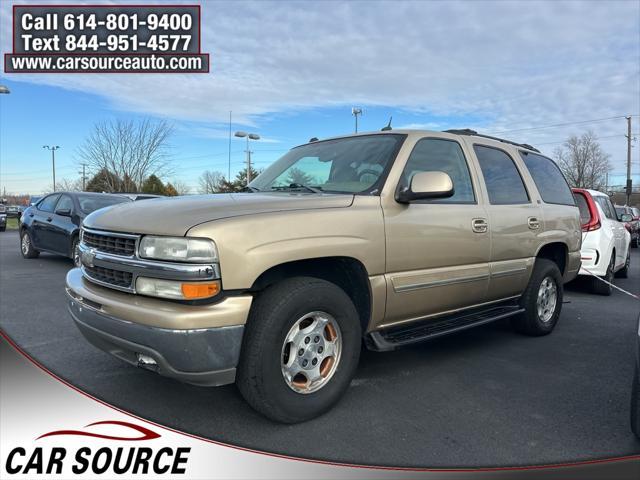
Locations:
column 542, row 300
column 300, row 350
column 26, row 246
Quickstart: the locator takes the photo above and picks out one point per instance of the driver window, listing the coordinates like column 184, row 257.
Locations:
column 65, row 203
column 435, row 154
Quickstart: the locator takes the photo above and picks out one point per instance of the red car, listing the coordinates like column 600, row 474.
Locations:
column 633, row 226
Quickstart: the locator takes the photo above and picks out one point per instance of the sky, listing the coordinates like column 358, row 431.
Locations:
column 290, row 71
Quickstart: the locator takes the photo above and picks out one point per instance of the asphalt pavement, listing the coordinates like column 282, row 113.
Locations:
column 484, row 397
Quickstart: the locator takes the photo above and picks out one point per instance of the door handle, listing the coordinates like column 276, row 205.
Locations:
column 534, row 223
column 479, row 225
column 49, row 219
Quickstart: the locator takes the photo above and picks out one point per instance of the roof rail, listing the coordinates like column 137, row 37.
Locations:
column 468, row 131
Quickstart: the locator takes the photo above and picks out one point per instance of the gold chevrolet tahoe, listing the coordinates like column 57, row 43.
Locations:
column 389, row 238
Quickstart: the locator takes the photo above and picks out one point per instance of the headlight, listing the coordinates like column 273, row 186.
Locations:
column 178, row 249
column 156, row 287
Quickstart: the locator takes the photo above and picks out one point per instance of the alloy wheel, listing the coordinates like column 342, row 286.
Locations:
column 311, row 352
column 25, row 244
column 547, row 299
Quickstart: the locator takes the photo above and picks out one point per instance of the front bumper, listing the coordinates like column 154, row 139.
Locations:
column 206, row 354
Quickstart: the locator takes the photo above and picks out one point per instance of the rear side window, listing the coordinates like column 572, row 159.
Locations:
column 606, row 206
column 548, row 178
column 48, row 203
column 504, row 183
column 435, row 154
column 581, row 201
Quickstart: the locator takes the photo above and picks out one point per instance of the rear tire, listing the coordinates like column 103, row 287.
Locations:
column 624, row 271
column 26, row 246
column 601, row 288
column 542, row 300
column 264, row 360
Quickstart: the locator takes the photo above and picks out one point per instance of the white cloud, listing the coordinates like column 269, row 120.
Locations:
column 517, row 63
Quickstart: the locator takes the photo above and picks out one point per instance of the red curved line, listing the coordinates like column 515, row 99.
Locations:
column 549, row 466
column 146, row 433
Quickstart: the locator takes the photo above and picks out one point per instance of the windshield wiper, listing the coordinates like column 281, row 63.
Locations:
column 249, row 188
column 298, row 186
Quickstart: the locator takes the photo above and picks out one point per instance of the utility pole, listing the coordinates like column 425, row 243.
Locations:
column 84, row 177
column 355, row 111
column 628, row 135
column 53, row 162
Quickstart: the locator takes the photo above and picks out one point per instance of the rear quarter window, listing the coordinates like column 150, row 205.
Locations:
column 549, row 180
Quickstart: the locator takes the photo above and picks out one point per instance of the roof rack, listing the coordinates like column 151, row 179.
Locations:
column 468, row 131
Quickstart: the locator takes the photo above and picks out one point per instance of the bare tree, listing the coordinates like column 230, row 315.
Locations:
column 130, row 150
column 210, row 182
column 181, row 187
column 68, row 185
column 583, row 162
column 65, row 185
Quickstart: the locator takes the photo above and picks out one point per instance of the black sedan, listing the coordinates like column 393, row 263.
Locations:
column 53, row 224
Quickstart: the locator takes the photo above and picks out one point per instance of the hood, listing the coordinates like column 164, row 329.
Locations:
column 176, row 215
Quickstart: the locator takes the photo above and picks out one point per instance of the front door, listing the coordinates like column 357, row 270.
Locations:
column 43, row 216
column 437, row 250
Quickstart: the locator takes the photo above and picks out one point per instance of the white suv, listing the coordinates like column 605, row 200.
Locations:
column 605, row 241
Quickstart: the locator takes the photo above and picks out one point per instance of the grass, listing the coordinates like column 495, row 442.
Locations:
column 12, row 223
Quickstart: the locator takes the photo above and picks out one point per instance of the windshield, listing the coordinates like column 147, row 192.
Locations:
column 345, row 165
column 620, row 211
column 91, row 203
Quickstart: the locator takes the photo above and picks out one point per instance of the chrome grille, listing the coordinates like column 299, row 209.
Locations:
column 110, row 243
column 110, row 276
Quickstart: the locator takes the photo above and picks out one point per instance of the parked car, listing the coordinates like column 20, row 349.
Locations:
column 3, row 218
column 635, row 388
column 605, row 241
column 390, row 237
column 53, row 224
column 633, row 225
column 13, row 211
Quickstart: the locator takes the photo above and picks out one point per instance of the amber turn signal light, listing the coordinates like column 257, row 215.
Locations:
column 193, row 291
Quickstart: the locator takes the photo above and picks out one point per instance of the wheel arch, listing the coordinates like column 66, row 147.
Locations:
column 348, row 273
column 557, row 252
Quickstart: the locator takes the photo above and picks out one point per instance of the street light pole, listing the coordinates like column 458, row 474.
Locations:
column 252, row 136
column 355, row 111
column 53, row 161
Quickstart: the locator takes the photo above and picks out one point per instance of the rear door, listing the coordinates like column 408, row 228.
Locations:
column 515, row 220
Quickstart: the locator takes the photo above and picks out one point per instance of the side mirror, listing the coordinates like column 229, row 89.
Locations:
column 625, row 217
column 63, row 212
column 427, row 185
